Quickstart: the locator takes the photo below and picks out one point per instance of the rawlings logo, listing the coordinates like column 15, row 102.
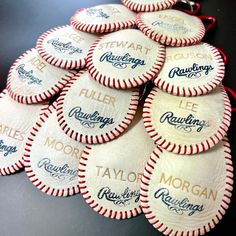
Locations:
column 58, row 172
column 97, row 13
column 64, row 47
column 193, row 72
column 178, row 206
column 89, row 120
column 122, row 199
column 7, row 150
column 185, row 124
column 172, row 27
column 121, row 62
column 27, row 75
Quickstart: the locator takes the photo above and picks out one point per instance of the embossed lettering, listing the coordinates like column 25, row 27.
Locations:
column 186, row 186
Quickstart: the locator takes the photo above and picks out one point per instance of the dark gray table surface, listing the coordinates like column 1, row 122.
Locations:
column 26, row 211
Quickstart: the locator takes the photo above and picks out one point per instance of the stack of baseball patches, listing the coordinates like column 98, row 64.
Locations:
column 176, row 167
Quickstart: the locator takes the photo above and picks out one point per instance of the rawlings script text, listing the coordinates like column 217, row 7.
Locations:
column 193, row 72
column 25, row 75
column 172, row 27
column 59, row 172
column 6, row 149
column 121, row 62
column 121, row 199
column 178, row 206
column 89, row 120
column 186, row 124
column 64, row 47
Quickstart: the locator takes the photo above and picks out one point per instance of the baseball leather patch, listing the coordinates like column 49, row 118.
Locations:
column 191, row 70
column 148, row 5
column 92, row 113
column 16, row 120
column 51, row 157
column 65, row 47
column 187, row 125
column 171, row 27
column 110, row 173
column 103, row 18
column 125, row 59
column 32, row 80
column 187, row 195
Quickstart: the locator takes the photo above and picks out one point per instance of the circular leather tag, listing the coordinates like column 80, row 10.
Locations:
column 148, row 5
column 91, row 113
column 183, row 195
column 125, row 59
column 171, row 27
column 52, row 158
column 187, row 125
column 103, row 18
column 65, row 47
column 110, row 173
column 16, row 120
column 191, row 71
column 33, row 80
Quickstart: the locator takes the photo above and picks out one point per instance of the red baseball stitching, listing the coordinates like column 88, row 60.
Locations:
column 38, row 98
column 148, row 171
column 148, row 7
column 129, row 82
column 186, row 149
column 100, row 28
column 65, row 64
column 95, row 139
column 170, row 41
column 19, row 164
column 119, row 215
column 27, row 160
column 186, row 91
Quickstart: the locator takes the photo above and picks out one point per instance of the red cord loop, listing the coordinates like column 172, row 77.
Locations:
column 184, row 6
column 224, row 56
column 233, row 95
column 208, row 21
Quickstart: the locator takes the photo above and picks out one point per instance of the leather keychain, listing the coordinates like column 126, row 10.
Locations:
column 92, row 113
column 103, row 18
column 65, row 47
column 183, row 195
column 174, row 28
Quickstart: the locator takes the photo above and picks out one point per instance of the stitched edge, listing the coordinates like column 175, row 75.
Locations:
column 100, row 28
column 119, row 215
column 65, row 64
column 148, row 171
column 129, row 82
column 93, row 139
column 181, row 90
column 27, row 158
column 186, row 149
column 38, row 98
column 148, row 7
column 19, row 164
column 171, row 41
